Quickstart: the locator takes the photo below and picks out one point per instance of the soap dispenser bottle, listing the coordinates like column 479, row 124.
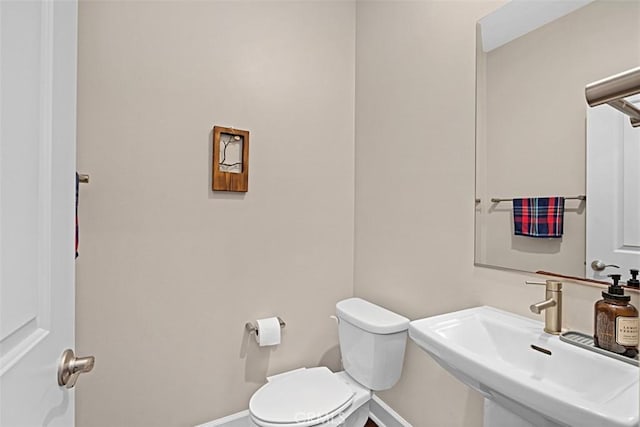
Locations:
column 633, row 282
column 616, row 321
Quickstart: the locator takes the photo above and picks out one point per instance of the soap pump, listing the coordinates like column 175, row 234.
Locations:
column 616, row 321
column 633, row 282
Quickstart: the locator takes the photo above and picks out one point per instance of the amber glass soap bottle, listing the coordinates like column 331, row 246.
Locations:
column 616, row 321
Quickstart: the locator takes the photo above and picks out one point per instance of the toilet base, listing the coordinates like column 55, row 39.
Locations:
column 355, row 415
column 358, row 413
column 358, row 418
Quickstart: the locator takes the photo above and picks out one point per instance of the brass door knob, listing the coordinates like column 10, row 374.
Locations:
column 71, row 367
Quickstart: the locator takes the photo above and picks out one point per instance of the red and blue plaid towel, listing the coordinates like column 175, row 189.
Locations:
column 538, row 216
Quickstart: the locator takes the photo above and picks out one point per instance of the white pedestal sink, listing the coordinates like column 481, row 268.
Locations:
column 527, row 372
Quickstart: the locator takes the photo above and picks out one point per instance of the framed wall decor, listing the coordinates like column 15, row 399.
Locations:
column 230, row 164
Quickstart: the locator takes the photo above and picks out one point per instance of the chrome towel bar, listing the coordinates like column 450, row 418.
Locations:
column 611, row 91
column 580, row 197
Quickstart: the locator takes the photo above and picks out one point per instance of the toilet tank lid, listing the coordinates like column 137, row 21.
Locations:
column 370, row 317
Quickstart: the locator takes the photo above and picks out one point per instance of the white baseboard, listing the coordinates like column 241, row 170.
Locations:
column 384, row 416
column 240, row 419
column 381, row 413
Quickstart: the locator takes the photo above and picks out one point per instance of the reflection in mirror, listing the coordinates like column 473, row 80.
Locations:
column 532, row 121
column 613, row 185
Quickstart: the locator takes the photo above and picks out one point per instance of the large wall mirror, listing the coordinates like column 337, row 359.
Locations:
column 534, row 59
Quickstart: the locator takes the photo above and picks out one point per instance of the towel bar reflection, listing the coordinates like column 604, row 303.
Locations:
column 253, row 329
column 83, row 178
column 580, row 197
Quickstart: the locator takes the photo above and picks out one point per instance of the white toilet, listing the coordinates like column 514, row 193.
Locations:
column 372, row 343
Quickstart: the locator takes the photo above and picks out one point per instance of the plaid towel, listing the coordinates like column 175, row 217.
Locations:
column 538, row 216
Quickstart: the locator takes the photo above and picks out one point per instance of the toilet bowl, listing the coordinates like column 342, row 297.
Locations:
column 372, row 343
column 310, row 397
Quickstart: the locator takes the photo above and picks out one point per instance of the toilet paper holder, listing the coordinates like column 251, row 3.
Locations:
column 253, row 329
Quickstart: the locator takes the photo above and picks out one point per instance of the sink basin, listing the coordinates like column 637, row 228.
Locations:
column 491, row 351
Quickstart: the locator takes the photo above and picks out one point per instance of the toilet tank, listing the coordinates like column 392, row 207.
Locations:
column 372, row 342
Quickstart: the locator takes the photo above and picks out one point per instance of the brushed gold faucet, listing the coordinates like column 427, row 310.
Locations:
column 552, row 306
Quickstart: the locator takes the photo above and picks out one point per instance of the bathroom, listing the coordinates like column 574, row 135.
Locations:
column 363, row 174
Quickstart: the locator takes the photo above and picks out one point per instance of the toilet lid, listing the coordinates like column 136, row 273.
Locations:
column 301, row 397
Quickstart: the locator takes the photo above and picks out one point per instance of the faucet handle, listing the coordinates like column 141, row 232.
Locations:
column 552, row 285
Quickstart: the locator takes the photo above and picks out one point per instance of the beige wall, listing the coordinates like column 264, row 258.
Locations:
column 169, row 272
column 535, row 128
column 415, row 93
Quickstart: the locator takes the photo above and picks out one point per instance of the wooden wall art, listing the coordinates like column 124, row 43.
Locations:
column 230, row 159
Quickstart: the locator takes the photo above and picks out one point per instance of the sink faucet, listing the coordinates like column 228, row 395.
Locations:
column 552, row 306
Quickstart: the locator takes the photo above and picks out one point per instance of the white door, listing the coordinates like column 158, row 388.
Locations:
column 613, row 192
column 37, row 179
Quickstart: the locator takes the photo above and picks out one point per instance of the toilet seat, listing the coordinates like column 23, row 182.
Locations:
column 301, row 398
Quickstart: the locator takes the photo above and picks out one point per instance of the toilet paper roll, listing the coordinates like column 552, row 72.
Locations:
column 268, row 332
